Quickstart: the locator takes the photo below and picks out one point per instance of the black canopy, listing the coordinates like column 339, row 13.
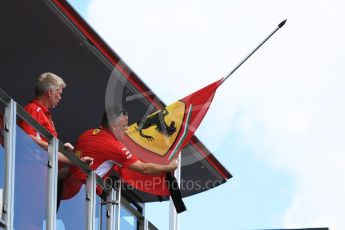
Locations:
column 49, row 36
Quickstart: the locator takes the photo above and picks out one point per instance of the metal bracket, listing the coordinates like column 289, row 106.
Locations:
column 7, row 129
column 4, row 208
column 49, row 164
column 88, row 198
column 110, row 202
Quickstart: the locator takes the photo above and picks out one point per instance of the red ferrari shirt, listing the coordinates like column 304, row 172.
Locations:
column 42, row 115
column 105, row 149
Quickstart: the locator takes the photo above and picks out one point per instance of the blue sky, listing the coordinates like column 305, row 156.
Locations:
column 282, row 111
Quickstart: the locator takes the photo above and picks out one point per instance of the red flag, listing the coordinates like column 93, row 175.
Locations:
column 162, row 135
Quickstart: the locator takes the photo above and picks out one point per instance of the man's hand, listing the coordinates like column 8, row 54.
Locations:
column 152, row 168
column 87, row 160
column 173, row 165
column 69, row 146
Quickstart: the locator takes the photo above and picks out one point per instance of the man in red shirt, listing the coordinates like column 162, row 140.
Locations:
column 104, row 146
column 48, row 90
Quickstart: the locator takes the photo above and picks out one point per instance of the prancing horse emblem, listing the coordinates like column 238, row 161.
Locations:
column 159, row 131
column 157, row 120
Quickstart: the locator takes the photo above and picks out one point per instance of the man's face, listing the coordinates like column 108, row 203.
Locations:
column 54, row 97
column 120, row 126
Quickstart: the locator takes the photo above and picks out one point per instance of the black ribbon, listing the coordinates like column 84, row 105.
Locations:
column 175, row 193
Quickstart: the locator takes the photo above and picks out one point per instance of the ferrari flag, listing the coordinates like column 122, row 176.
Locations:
column 159, row 137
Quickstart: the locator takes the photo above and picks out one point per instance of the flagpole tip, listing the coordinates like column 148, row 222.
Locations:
column 282, row 23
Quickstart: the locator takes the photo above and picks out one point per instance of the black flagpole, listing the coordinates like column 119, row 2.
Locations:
column 251, row 53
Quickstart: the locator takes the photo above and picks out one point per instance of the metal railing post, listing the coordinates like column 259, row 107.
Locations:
column 118, row 207
column 91, row 201
column 173, row 216
column 145, row 224
column 52, row 183
column 10, row 149
column 110, row 212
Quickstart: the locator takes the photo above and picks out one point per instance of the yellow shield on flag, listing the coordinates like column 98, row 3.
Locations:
column 158, row 132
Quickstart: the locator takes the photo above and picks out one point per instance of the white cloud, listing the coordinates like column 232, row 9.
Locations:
column 287, row 100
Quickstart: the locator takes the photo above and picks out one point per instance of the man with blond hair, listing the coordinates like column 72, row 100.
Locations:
column 48, row 91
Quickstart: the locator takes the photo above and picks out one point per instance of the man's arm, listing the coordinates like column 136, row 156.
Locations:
column 152, row 168
column 61, row 157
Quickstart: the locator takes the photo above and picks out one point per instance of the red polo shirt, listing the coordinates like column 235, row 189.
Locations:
column 42, row 115
column 106, row 151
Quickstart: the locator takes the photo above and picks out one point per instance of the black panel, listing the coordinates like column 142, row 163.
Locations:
column 36, row 39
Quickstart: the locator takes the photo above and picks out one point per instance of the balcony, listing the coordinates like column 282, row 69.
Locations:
column 28, row 184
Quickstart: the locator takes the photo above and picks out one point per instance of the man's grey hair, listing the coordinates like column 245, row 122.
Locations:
column 48, row 81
